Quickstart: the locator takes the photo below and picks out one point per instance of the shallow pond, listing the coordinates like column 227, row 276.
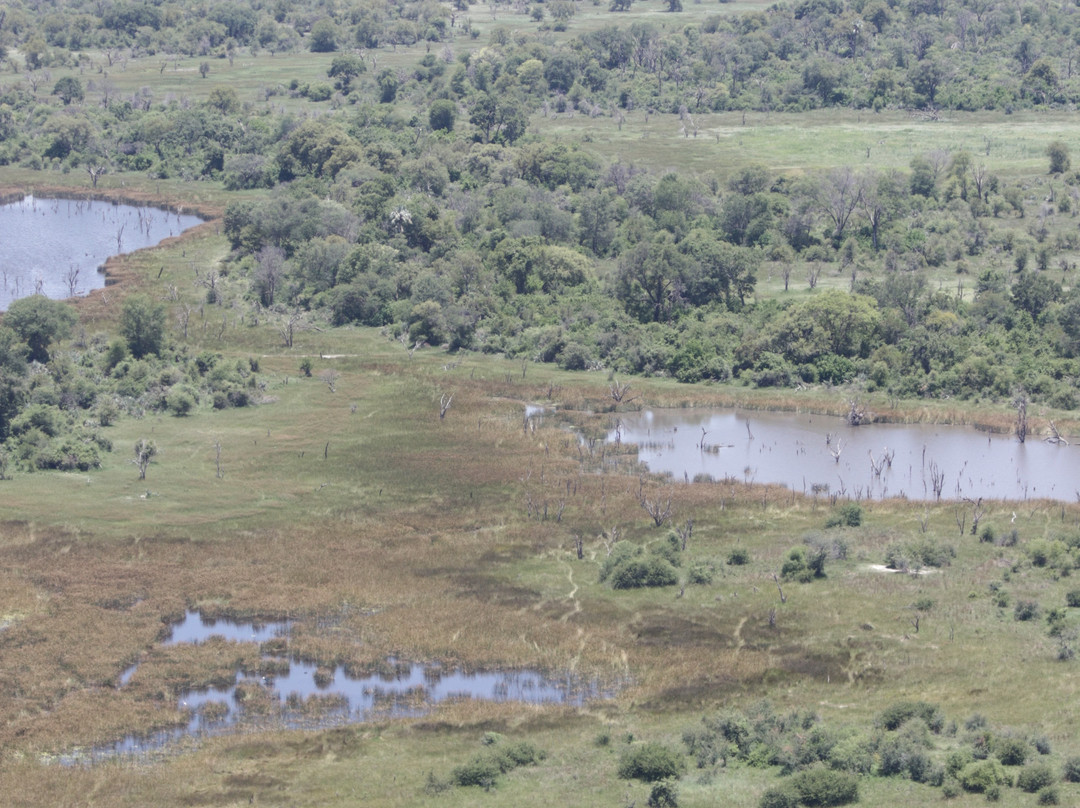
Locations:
column 817, row 454
column 54, row 247
column 300, row 694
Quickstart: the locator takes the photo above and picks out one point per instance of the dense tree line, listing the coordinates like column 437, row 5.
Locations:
column 419, row 201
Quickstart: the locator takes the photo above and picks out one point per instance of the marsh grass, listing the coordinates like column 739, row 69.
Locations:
column 380, row 530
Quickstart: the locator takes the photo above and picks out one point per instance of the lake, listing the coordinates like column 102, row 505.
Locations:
column 819, row 454
column 55, row 247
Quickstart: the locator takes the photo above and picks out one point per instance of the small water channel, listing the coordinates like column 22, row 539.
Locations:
column 55, row 247
column 300, row 694
column 817, row 454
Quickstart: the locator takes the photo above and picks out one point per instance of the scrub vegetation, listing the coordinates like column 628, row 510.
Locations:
column 423, row 217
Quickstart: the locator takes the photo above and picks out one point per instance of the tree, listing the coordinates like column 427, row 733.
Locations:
column 69, row 89
column 142, row 325
column 145, row 450
column 39, row 322
column 323, row 37
column 345, row 68
column 718, row 270
column 1058, row 153
column 650, row 277
column 442, row 114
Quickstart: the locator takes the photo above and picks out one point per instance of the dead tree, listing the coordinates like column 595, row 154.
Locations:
column 977, row 510
column 776, row 580
column 95, row 172
column 685, row 532
column 289, row 328
column 1020, row 401
column 145, row 450
column 660, row 513
column 330, row 377
column 444, row 404
column 619, row 392
column 1055, row 436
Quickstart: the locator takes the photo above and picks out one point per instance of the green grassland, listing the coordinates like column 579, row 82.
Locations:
column 435, row 538
column 424, row 534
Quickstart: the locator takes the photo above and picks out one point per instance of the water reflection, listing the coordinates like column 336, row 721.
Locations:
column 817, row 454
column 54, row 247
column 295, row 693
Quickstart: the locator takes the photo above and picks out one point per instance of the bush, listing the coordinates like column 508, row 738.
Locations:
column 1035, row 777
column 825, row 787
column 180, row 401
column 664, row 794
column 650, row 762
column 779, row 797
column 1072, row 598
column 849, row 515
column 1047, row 796
column 983, row 775
column 740, row 556
column 1071, row 772
column 804, row 567
column 895, row 715
column 701, row 573
column 1026, row 610
column 482, row 770
column 649, row 572
column 1011, row 751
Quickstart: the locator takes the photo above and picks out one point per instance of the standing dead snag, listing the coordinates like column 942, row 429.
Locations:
column 685, row 532
column 659, row 513
column 330, row 377
column 444, row 404
column 619, row 392
column 145, row 450
column 1020, row 401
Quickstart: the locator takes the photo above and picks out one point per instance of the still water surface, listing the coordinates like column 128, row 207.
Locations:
column 800, row 451
column 295, row 697
column 55, row 246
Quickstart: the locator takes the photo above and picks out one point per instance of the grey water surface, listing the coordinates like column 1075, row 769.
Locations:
column 54, row 247
column 817, row 454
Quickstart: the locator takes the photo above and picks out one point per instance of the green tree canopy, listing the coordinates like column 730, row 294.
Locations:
column 39, row 322
column 142, row 325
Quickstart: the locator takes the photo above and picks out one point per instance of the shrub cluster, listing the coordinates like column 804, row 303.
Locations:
column 630, row 567
column 485, row 768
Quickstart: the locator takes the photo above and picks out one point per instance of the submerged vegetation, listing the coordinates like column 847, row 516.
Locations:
column 429, row 219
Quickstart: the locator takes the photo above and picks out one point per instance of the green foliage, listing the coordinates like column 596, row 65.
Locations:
column 484, row 769
column 1048, row 796
column 1058, row 152
column 738, row 556
column 1011, row 751
column 896, row 715
column 142, row 325
column 664, row 794
column 628, row 567
column 1072, row 598
column 650, row 762
column 983, row 776
column 1071, row 770
column 825, row 787
column 848, row 515
column 779, row 797
column 922, row 552
column 803, row 566
column 442, row 114
column 1026, row 610
column 1034, row 777
column 39, row 322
